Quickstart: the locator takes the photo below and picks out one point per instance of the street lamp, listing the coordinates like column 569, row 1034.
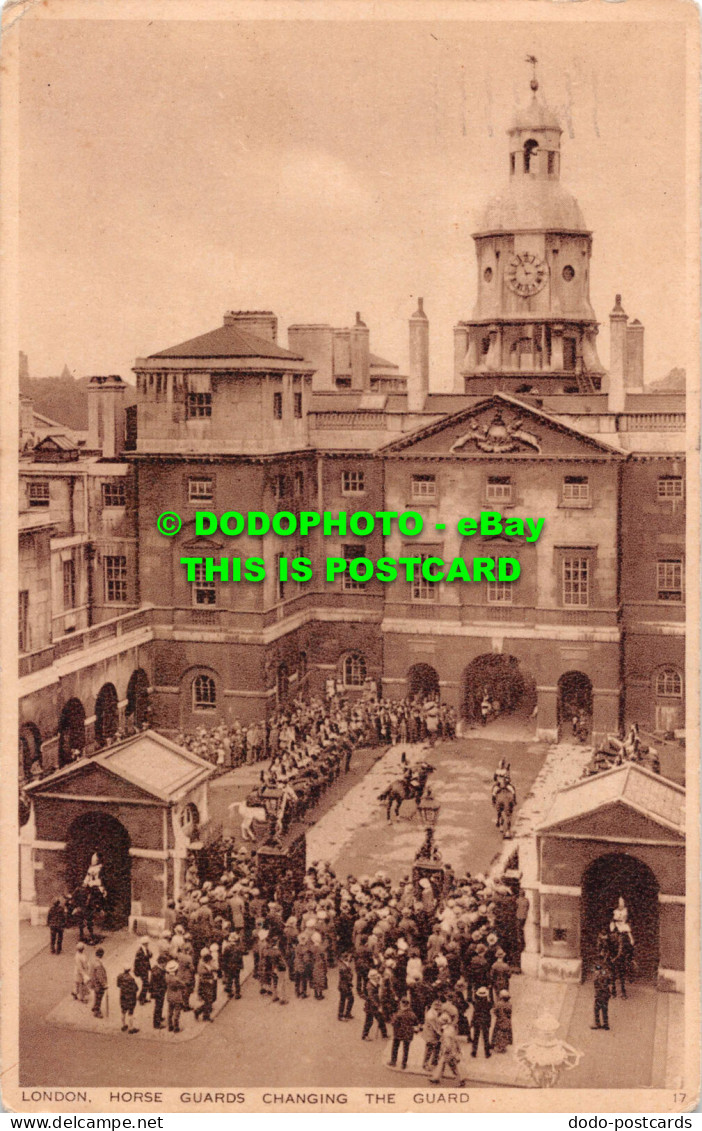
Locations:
column 545, row 1055
column 429, row 809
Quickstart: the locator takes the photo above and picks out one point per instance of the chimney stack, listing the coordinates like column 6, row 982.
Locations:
column 418, row 384
column 360, row 355
column 262, row 323
column 634, row 369
column 618, row 321
column 106, row 415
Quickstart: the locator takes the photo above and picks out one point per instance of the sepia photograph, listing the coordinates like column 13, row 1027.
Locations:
column 350, row 506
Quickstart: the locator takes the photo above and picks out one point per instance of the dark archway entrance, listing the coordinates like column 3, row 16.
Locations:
column 603, row 882
column 106, row 714
column 423, row 681
column 505, row 682
column 574, row 700
column 71, row 731
column 137, row 710
column 29, row 750
column 98, row 832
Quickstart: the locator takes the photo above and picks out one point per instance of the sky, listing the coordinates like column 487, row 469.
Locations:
column 173, row 169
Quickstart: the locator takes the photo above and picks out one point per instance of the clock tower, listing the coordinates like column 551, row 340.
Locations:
column 533, row 327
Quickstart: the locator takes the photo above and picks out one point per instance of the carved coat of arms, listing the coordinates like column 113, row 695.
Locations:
column 497, row 437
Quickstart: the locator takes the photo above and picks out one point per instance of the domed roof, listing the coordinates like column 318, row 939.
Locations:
column 531, row 203
column 536, row 116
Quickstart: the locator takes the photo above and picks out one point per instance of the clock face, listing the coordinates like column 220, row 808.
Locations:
column 526, row 274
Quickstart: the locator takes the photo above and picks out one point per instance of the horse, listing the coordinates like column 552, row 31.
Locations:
column 505, row 801
column 406, row 789
column 253, row 817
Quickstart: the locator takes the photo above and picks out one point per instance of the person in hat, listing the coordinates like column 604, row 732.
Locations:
column 175, row 996
column 128, row 989
column 482, row 1018
column 98, row 981
column 449, row 1056
column 157, row 989
column 603, row 992
column 81, row 973
column 142, row 968
column 346, row 998
column 206, row 988
column 232, row 962
column 502, row 1029
column 404, row 1026
column 373, row 1011
column 432, row 1035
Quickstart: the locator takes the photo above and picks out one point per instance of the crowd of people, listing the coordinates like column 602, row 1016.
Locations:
column 419, row 957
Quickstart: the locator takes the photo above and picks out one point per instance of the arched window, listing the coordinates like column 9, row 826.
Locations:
column 355, row 670
column 282, row 682
column 204, row 693
column 530, row 148
column 669, row 684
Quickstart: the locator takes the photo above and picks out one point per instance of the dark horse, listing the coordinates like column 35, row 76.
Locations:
column 505, row 800
column 409, row 788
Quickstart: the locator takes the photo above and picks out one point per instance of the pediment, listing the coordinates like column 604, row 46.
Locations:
column 90, row 779
column 500, row 427
column 616, row 820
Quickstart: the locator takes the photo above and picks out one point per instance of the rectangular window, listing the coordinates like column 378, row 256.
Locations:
column 350, row 553
column 352, row 482
column 24, row 620
column 277, row 406
column 200, row 490
column 115, row 578
column 499, row 592
column 199, row 405
column 498, row 489
column 670, row 487
column 38, row 493
column 423, row 488
column 670, row 579
column 576, row 491
column 114, row 494
column 280, row 487
column 204, row 591
column 423, row 590
column 280, row 584
column 299, row 483
column 551, row 163
column 69, row 584
column 576, row 582
column 297, row 405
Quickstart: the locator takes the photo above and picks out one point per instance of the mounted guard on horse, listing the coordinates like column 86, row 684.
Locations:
column 410, row 787
column 504, row 798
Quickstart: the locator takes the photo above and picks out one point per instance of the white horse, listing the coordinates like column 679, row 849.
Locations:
column 249, row 815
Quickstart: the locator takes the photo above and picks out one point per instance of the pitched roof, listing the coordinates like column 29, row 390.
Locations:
column 655, row 797
column 228, row 341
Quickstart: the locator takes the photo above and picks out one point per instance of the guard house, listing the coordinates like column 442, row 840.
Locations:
column 141, row 804
column 620, row 833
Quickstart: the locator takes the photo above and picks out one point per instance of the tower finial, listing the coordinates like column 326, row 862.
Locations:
column 534, row 84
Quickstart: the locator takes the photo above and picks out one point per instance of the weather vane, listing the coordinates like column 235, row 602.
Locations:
column 534, row 84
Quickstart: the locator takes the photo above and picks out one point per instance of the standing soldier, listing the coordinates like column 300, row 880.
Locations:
column 56, row 922
column 602, row 996
column 346, row 998
column 157, row 987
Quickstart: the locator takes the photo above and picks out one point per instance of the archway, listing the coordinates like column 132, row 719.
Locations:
column 603, row 882
column 138, row 698
column 574, row 699
column 71, row 731
column 29, row 749
column 101, row 833
column 422, row 681
column 507, row 685
column 106, row 714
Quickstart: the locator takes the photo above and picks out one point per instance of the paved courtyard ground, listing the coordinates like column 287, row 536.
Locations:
column 255, row 1042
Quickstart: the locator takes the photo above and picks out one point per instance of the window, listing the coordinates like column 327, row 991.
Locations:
column 38, row 493
column 280, row 486
column 498, row 489
column 199, row 404
column 297, row 405
column 670, row 579
column 354, row 670
column 423, row 488
column 204, row 693
column 669, row 684
column 302, row 667
column 277, row 406
column 204, row 591
column 576, row 581
column 200, row 490
column 512, row 162
column 576, row 491
column 299, row 483
column 114, row 494
column 551, row 163
column 69, row 584
column 530, row 148
column 670, row 487
column 350, row 554
column 569, row 353
column 499, row 592
column 352, row 482
column 115, row 578
column 279, row 581
column 423, row 590
column 282, row 682
column 24, row 620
